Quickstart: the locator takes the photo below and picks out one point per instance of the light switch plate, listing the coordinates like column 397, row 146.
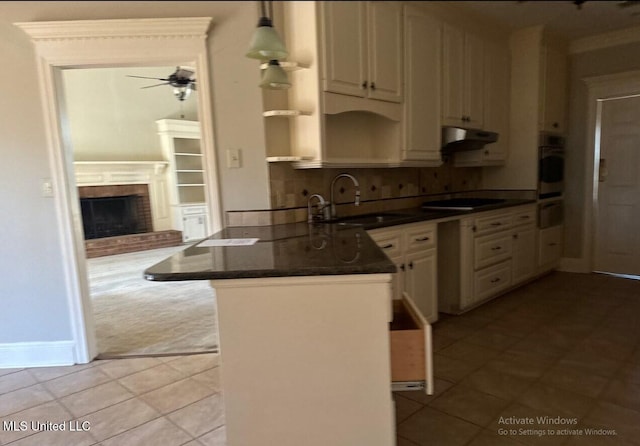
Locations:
column 47, row 187
column 233, row 158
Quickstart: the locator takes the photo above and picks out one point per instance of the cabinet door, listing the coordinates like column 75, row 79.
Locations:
column 523, row 262
column 549, row 247
column 423, row 36
column 496, row 102
column 554, row 90
column 452, row 76
column 385, row 50
column 473, row 91
column 345, row 54
column 421, row 282
column 194, row 227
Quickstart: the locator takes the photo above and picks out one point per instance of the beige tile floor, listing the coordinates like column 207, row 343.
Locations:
column 564, row 346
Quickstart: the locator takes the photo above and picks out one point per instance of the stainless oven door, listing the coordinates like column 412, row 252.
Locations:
column 551, row 172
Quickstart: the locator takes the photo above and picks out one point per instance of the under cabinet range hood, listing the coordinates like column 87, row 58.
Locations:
column 458, row 139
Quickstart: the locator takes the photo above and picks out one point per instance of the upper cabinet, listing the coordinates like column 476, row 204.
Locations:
column 362, row 49
column 553, row 89
column 462, row 78
column 421, row 119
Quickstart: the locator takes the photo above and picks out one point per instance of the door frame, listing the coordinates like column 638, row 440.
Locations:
column 600, row 88
column 100, row 44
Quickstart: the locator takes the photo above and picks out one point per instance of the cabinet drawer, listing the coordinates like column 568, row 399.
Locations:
column 389, row 241
column 420, row 238
column 492, row 280
column 192, row 210
column 524, row 216
column 410, row 340
column 491, row 249
column 493, row 222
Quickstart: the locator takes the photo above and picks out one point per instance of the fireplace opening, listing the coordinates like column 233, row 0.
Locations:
column 112, row 216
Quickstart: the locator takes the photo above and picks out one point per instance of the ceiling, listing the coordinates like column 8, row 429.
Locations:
column 561, row 17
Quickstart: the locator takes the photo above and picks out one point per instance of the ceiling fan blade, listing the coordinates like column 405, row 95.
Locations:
column 145, row 77
column 156, row 85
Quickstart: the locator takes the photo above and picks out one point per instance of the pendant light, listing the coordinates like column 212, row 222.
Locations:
column 266, row 44
column 275, row 77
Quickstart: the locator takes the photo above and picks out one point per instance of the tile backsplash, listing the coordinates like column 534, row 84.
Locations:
column 290, row 188
column 380, row 190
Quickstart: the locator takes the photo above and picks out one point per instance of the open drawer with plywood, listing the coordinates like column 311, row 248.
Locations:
column 411, row 350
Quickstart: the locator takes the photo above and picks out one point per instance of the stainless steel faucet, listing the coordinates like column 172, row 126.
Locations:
column 356, row 201
column 322, row 213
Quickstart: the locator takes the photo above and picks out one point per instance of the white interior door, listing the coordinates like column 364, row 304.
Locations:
column 617, row 235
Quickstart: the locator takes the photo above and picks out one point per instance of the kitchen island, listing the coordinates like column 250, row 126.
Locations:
column 303, row 318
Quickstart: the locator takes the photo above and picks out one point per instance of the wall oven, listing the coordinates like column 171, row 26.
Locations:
column 550, row 165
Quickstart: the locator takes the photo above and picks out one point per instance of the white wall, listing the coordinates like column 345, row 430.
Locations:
column 113, row 119
column 33, row 295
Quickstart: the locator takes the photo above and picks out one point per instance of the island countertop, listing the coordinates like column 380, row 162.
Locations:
column 294, row 249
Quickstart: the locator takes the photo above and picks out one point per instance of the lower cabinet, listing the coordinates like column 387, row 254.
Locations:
column 412, row 248
column 549, row 247
column 497, row 250
column 192, row 221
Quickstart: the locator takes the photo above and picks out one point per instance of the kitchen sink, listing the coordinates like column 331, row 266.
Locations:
column 372, row 219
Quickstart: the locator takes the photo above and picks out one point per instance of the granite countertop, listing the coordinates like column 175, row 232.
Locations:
column 296, row 249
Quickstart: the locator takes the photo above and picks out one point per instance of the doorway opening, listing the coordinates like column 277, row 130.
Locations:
column 71, row 45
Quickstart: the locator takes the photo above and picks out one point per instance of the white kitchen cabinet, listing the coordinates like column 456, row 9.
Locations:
column 493, row 252
column 422, row 46
column 462, row 78
column 524, row 254
column 549, row 247
column 553, row 89
column 363, row 49
column 180, row 142
column 344, row 125
column 412, row 248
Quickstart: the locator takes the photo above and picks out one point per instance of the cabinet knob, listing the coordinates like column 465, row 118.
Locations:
column 496, row 280
column 373, row 85
column 422, row 239
column 556, row 125
column 515, row 236
column 389, row 246
column 402, row 267
column 365, row 84
column 486, row 152
column 410, row 265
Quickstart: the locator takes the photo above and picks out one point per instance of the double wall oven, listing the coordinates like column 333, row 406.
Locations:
column 550, row 179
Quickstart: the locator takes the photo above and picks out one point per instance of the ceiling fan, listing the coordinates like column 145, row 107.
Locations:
column 182, row 81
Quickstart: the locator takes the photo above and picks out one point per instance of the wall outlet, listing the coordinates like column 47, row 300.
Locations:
column 233, row 158
column 46, row 186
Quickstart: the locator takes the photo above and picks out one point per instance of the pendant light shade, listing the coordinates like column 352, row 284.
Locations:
column 266, row 43
column 274, row 77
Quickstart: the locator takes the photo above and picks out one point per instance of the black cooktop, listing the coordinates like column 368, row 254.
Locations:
column 462, row 204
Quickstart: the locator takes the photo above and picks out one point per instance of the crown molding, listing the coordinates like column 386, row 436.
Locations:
column 606, row 40
column 184, row 27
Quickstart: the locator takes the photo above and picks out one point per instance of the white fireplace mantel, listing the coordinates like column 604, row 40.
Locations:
column 107, row 173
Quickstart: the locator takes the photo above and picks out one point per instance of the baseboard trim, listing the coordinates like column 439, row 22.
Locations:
column 37, row 354
column 574, row 265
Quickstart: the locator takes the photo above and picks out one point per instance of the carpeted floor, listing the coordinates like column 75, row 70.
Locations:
column 136, row 317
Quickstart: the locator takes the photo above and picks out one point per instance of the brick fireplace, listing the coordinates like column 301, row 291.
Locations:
column 118, row 219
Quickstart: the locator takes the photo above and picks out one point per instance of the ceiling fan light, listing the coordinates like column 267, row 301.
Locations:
column 274, row 77
column 266, row 43
column 182, row 92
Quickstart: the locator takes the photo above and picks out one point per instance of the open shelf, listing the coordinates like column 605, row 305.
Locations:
column 285, row 113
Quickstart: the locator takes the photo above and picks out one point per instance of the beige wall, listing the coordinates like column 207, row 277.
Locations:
column 594, row 63
column 34, row 299
column 113, row 119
